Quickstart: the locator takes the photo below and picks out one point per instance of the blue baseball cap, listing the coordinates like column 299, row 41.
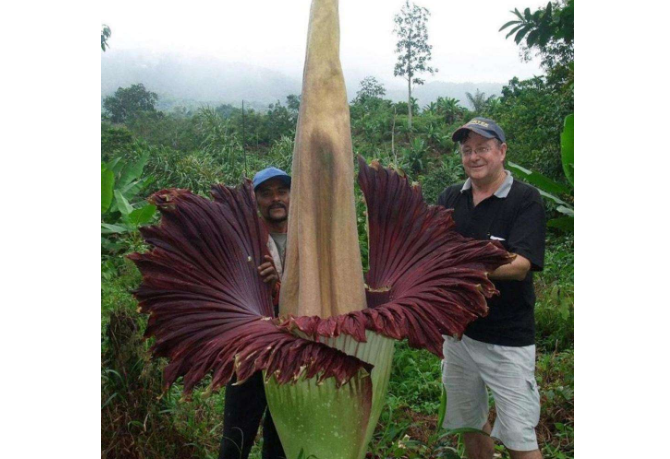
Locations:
column 270, row 173
column 482, row 126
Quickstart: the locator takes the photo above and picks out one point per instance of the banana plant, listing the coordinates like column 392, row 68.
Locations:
column 120, row 184
column 551, row 189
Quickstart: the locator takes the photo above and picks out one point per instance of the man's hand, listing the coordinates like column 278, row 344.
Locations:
column 268, row 272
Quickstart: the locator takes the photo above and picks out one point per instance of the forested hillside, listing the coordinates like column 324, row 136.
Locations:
column 193, row 82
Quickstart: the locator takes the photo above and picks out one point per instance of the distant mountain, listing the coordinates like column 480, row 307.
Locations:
column 195, row 81
column 429, row 92
column 191, row 81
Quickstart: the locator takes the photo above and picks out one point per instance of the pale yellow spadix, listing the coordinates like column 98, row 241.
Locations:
column 323, row 272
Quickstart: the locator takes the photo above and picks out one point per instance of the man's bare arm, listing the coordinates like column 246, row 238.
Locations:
column 516, row 270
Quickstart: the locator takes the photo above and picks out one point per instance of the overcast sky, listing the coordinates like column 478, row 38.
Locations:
column 272, row 33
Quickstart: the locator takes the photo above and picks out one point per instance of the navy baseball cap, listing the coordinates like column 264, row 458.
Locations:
column 482, row 126
column 270, row 173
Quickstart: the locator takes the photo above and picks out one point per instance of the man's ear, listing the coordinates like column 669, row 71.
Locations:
column 503, row 148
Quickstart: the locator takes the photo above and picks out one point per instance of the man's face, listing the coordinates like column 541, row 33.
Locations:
column 273, row 198
column 482, row 158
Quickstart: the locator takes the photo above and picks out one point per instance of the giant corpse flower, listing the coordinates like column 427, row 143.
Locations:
column 326, row 358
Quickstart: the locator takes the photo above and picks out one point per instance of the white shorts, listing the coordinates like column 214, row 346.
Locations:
column 470, row 366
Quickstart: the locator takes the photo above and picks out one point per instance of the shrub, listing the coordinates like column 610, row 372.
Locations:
column 115, row 140
column 554, row 310
column 448, row 171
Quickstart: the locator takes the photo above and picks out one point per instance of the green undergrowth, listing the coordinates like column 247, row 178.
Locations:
column 555, row 286
column 140, row 420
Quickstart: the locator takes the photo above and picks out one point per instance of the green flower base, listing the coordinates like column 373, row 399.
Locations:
column 320, row 421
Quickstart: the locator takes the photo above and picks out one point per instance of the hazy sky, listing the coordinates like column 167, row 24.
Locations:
column 272, row 33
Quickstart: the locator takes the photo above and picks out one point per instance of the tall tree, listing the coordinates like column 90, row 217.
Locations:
column 371, row 88
column 104, row 36
column 414, row 52
column 549, row 31
column 128, row 103
column 479, row 101
column 293, row 106
column 293, row 103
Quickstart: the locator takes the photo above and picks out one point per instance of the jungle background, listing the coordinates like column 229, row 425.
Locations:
column 148, row 144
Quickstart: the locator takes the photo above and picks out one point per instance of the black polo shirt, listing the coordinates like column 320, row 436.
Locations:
column 514, row 215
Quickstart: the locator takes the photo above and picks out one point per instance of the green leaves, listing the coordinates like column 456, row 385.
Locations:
column 133, row 172
column 105, row 33
column 566, row 223
column 129, row 103
column 122, row 203
column 443, row 408
column 120, row 183
column 107, row 191
column 142, row 216
column 568, row 148
column 544, row 28
column 549, row 188
column 370, row 89
column 480, row 103
column 540, row 181
column 107, row 228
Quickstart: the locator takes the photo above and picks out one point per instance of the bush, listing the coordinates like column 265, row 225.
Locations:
column 448, row 172
column 531, row 113
column 173, row 130
column 140, row 420
column 115, row 140
column 554, row 310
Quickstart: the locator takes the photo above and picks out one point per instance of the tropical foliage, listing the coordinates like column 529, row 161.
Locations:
column 129, row 103
column 104, row 37
column 479, row 101
column 121, row 183
column 549, row 30
column 550, row 189
column 152, row 151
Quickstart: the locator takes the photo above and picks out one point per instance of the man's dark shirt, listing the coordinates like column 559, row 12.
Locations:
column 518, row 222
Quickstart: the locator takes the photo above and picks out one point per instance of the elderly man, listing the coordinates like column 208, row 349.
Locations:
column 245, row 404
column 497, row 351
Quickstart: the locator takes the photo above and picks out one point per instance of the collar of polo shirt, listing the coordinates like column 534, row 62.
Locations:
column 501, row 192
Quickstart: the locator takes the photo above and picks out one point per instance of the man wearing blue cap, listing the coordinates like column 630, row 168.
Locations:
column 497, row 351
column 246, row 403
column 273, row 193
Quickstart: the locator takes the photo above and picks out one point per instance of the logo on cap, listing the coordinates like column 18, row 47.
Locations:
column 479, row 122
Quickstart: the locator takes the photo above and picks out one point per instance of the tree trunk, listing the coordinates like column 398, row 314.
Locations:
column 395, row 157
column 409, row 84
column 409, row 101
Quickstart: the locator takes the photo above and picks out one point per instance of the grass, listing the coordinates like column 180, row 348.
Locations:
column 408, row 428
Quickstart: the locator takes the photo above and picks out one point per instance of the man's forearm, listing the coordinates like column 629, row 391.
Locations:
column 517, row 270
